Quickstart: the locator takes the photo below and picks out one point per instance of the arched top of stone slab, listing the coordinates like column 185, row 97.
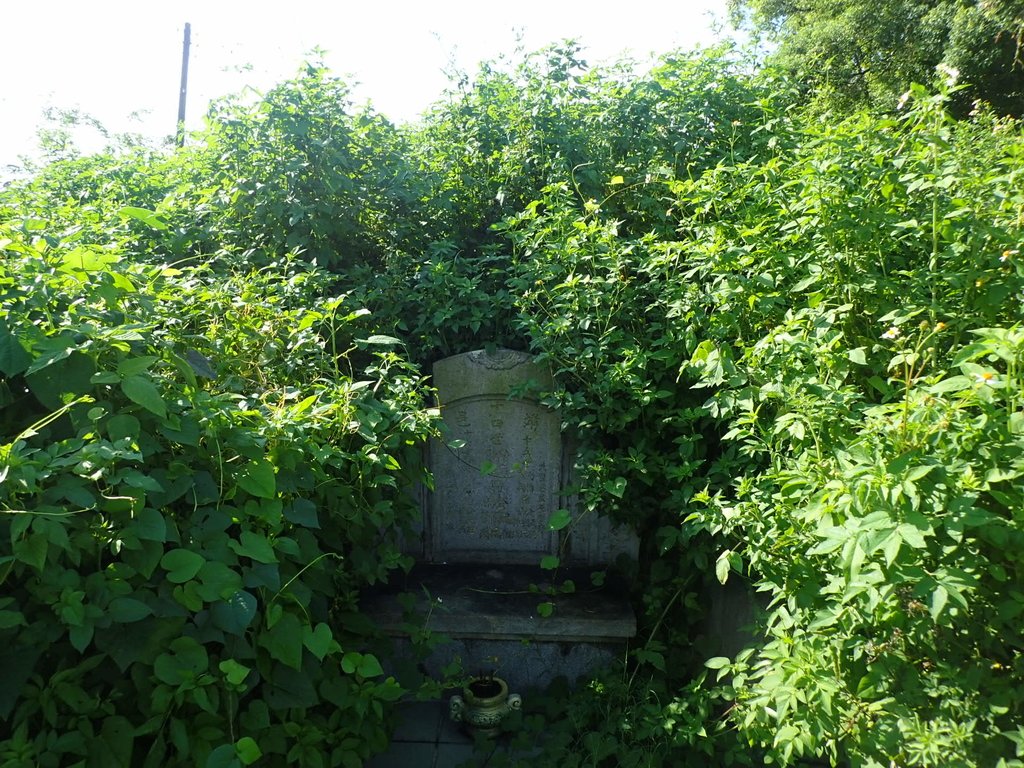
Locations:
column 500, row 373
column 504, row 469
column 494, row 493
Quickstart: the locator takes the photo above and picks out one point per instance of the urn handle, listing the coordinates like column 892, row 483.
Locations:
column 456, row 708
column 515, row 701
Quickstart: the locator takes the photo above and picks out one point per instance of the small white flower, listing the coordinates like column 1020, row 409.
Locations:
column 987, row 378
column 892, row 333
column 951, row 74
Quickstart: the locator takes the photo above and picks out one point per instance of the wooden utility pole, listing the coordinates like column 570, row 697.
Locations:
column 184, row 84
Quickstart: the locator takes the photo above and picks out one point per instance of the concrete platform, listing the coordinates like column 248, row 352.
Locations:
column 489, row 618
column 426, row 738
column 501, row 601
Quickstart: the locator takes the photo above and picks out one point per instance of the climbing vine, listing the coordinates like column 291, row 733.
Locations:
column 788, row 350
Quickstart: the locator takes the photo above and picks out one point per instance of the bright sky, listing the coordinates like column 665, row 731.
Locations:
column 113, row 58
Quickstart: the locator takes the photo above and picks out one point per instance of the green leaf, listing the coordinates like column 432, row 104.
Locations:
column 369, row 666
column 88, row 259
column 487, row 468
column 254, row 545
column 141, row 390
column 80, row 637
column 147, row 217
column 76, row 493
column 200, row 365
column 57, row 351
column 181, row 565
column 125, row 610
column 223, row 756
column 363, row 664
column 559, row 520
column 939, row 599
column 274, row 614
column 234, row 672
column 302, row 512
column 62, row 381
column 186, row 432
column 381, row 340
column 184, row 661
column 149, row 525
column 284, row 640
column 13, row 357
column 918, row 472
column 235, row 614
column 653, row 658
column 857, row 356
column 549, row 562
column 33, row 550
column 722, row 566
column 132, row 366
column 615, row 180
column 183, row 368
column 912, row 535
column 123, row 425
column 320, row 641
column 218, row 581
column 350, row 661
column 891, row 549
column 952, row 384
column 9, row 619
column 248, row 750
column 258, row 479
column 546, row 609
column 117, row 737
column 616, row 487
column 717, row 662
column 289, row 689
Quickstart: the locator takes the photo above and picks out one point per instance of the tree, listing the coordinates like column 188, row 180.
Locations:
column 852, row 52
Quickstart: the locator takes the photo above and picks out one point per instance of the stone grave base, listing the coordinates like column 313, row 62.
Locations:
column 490, row 616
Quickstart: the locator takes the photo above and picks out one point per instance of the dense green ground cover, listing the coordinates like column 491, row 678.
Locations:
column 790, row 348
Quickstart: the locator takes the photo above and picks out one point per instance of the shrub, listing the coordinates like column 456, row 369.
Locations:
column 199, row 473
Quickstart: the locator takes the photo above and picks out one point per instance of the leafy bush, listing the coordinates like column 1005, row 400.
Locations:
column 199, row 472
column 296, row 172
column 877, row 384
column 789, row 352
column 822, row 373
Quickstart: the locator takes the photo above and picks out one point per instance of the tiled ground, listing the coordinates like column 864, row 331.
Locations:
column 426, row 738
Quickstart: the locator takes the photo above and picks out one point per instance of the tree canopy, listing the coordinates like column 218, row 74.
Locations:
column 862, row 51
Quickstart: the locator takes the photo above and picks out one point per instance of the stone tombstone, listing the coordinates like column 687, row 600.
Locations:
column 501, row 470
column 496, row 488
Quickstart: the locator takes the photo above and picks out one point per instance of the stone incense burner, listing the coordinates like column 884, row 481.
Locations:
column 484, row 703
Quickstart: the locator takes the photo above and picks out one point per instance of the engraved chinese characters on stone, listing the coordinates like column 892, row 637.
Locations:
column 498, row 485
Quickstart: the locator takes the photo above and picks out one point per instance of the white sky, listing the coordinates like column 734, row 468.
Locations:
column 112, row 58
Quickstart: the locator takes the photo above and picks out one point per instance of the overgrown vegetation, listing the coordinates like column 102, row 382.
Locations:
column 200, row 470
column 790, row 349
column 866, row 52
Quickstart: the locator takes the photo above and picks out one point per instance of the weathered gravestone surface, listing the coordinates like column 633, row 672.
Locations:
column 503, row 469
column 501, row 472
column 497, row 486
